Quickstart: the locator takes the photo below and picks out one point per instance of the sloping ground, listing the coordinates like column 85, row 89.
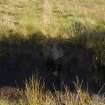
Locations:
column 20, row 16
column 61, row 60
column 51, row 17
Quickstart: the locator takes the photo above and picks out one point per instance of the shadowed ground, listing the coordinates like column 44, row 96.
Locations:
column 57, row 63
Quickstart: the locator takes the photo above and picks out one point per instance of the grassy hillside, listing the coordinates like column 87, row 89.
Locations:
column 51, row 17
column 33, row 32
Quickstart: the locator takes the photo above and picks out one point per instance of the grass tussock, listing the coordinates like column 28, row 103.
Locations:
column 33, row 94
column 36, row 95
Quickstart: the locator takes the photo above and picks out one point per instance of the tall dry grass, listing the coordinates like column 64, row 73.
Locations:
column 35, row 95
